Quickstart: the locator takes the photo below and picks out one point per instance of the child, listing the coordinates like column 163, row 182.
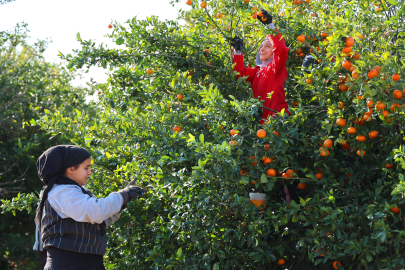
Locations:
column 269, row 75
column 73, row 221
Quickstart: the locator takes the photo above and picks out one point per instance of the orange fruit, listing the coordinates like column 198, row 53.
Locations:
column 261, row 133
column 281, row 262
column 397, row 94
column 351, row 130
column 302, row 186
column 385, row 113
column 298, row 51
column 373, row 134
column 233, row 143
column 342, row 142
column 341, row 105
column 233, row 132
column 177, row 128
column 285, row 176
column 369, row 112
column 110, row 26
column 378, row 68
column 372, row 74
column 380, row 106
column 301, row 38
column 295, row 103
column 243, row 172
column 356, row 55
column 271, row 172
column 255, row 162
column 389, row 166
column 336, row 264
column 345, row 146
column 349, row 41
column 365, row 118
column 207, row 50
column 219, row 16
column 289, row 173
column 324, row 35
column 189, row 2
column 346, row 64
column 394, row 105
column 395, row 210
column 396, row 77
column 347, row 49
column 328, row 143
column 343, row 87
column 267, row 147
column 254, row 16
column 361, row 138
column 318, row 176
column 267, row 160
column 276, row 133
column 180, row 96
column 324, row 151
column 361, row 153
column 360, row 36
column 309, row 81
column 203, row 4
column 370, row 103
column 341, row 122
column 260, row 14
column 149, row 71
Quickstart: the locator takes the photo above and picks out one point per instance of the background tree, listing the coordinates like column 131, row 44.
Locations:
column 173, row 115
column 29, row 86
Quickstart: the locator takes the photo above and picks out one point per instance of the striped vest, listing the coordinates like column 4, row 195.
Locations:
column 68, row 234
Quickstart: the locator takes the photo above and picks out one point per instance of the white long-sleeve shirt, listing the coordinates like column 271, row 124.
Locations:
column 70, row 202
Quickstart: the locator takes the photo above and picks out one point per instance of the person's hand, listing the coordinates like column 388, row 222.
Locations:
column 131, row 192
column 134, row 192
column 264, row 17
column 237, row 43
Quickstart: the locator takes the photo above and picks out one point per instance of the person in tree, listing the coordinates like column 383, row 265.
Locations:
column 270, row 73
column 72, row 221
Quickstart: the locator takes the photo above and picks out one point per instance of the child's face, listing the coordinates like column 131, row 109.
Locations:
column 81, row 174
column 266, row 50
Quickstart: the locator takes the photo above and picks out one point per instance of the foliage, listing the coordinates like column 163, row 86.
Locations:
column 197, row 214
column 29, row 86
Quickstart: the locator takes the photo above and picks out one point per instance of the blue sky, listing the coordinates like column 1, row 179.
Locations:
column 60, row 20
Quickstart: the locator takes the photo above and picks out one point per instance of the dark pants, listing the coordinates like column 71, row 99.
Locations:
column 42, row 258
column 59, row 259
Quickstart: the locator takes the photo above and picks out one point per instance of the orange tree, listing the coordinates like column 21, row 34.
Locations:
column 29, row 86
column 172, row 101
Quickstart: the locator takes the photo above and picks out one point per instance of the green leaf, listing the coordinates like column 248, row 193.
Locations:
column 202, row 139
column 244, row 180
column 33, row 122
column 263, row 178
column 302, row 201
column 78, row 37
column 119, row 41
column 295, row 218
column 108, row 155
column 393, row 2
column 19, row 143
column 79, row 113
column 179, row 253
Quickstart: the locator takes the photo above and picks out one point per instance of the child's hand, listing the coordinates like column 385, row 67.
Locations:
column 264, row 17
column 237, row 43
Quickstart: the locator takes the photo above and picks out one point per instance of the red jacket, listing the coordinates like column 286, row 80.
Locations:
column 269, row 79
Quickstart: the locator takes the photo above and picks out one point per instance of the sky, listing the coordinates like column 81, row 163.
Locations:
column 61, row 20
